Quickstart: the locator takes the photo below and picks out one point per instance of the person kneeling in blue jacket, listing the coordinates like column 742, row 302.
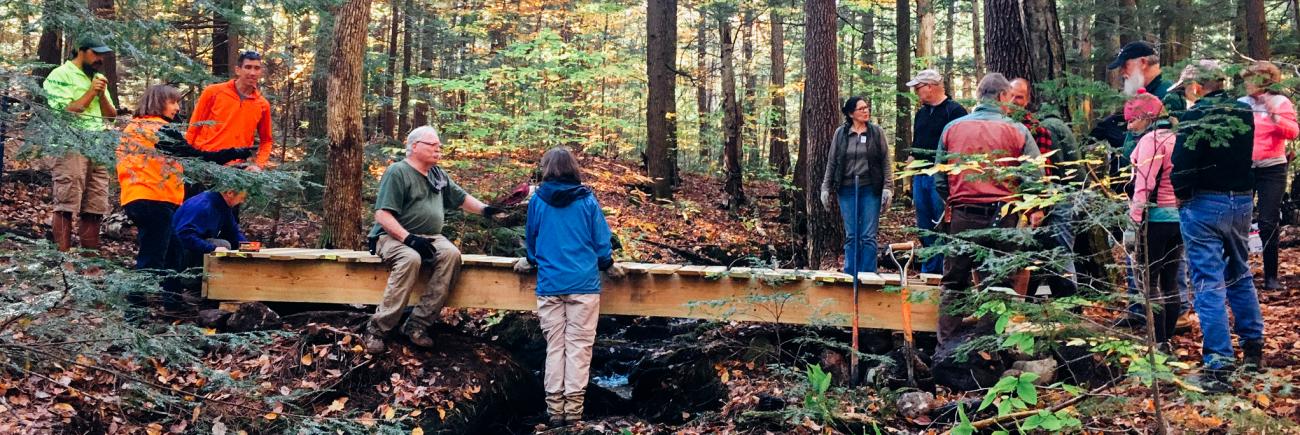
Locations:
column 568, row 241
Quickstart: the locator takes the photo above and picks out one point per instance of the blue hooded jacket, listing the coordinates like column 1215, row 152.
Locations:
column 205, row 216
column 567, row 239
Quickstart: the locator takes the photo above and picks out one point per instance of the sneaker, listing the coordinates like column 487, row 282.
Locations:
column 418, row 335
column 1272, row 284
column 1253, row 354
column 374, row 343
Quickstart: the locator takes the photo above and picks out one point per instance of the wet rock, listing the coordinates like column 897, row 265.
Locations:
column 1044, row 368
column 913, row 404
column 253, row 316
column 213, row 318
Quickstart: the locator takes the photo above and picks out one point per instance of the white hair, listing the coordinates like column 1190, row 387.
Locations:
column 417, row 133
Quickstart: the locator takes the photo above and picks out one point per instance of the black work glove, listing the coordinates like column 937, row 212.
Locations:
column 493, row 213
column 227, row 155
column 422, row 246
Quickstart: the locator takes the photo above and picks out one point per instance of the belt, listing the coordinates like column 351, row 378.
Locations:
column 990, row 209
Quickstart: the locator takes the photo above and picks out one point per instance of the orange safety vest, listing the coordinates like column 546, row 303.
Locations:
column 142, row 171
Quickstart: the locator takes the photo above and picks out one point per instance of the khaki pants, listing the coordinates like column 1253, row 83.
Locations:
column 404, row 271
column 80, row 185
column 569, row 324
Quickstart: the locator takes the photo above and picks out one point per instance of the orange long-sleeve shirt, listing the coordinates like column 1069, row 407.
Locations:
column 223, row 120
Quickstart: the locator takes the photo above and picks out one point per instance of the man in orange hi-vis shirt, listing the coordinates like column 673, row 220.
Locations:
column 229, row 114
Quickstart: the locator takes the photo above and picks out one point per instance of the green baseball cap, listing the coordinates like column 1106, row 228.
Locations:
column 94, row 44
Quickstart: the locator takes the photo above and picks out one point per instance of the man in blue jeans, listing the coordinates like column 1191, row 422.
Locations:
column 1212, row 180
column 936, row 111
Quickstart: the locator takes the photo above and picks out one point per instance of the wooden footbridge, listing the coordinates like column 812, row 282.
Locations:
column 662, row 290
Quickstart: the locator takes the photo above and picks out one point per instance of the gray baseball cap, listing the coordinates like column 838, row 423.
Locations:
column 929, row 77
column 94, row 44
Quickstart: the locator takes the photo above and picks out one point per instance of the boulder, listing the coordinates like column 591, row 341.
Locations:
column 252, row 316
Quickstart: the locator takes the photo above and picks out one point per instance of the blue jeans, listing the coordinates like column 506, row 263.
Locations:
column 929, row 210
column 1215, row 228
column 860, row 226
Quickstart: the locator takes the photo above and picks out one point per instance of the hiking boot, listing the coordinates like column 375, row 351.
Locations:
column 418, row 335
column 1214, row 381
column 572, row 419
column 1253, row 354
column 374, row 342
column 1272, row 284
column 555, row 420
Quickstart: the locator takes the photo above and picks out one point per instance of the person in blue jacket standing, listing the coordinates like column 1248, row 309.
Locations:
column 568, row 241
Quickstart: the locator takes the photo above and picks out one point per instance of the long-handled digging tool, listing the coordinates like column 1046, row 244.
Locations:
column 853, row 269
column 909, row 349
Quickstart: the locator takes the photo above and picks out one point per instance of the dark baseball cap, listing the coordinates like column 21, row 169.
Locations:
column 94, row 44
column 1132, row 50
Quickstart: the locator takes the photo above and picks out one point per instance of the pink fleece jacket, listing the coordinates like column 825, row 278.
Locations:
column 1151, row 158
column 1275, row 123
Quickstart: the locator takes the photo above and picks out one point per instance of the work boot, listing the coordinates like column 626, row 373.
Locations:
column 1253, row 354
column 1272, row 284
column 62, row 230
column 573, row 407
column 88, row 230
column 373, row 340
column 419, row 335
column 555, row 410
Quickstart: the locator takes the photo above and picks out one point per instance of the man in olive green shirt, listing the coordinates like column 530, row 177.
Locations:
column 81, row 185
column 410, row 208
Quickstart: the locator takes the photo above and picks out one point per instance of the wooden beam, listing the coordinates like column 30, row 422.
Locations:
column 765, row 295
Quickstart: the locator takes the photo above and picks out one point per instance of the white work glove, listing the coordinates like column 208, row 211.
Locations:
column 886, row 196
column 826, row 200
column 616, row 271
column 1130, row 238
column 523, row 266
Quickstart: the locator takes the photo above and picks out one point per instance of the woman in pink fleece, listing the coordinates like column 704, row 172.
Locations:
column 1154, row 208
column 1275, row 123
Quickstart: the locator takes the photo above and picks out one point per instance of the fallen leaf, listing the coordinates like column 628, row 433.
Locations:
column 218, row 428
column 1263, row 400
column 271, row 416
column 153, row 429
column 338, row 404
column 306, row 359
column 389, row 412
column 417, row 431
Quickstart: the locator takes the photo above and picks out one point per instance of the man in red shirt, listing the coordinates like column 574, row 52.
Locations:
column 229, row 114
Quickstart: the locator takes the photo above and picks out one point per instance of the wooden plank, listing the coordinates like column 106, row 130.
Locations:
column 802, row 301
column 636, row 268
column 868, row 278
column 693, row 270
column 891, row 278
column 740, row 273
column 930, row 278
column 664, row 269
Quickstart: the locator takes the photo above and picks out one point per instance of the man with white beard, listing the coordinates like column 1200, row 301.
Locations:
column 1140, row 68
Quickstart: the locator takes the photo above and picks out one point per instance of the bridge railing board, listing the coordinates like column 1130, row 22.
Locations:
column 709, row 292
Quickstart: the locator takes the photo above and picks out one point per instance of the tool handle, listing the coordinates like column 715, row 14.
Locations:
column 904, row 246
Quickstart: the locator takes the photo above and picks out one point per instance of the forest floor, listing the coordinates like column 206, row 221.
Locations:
column 760, row 393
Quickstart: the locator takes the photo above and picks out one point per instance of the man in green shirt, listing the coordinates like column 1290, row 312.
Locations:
column 81, row 185
column 414, row 195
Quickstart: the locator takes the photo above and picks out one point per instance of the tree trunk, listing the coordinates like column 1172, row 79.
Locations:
column 820, row 115
column 50, row 48
column 949, row 33
column 1129, row 22
column 661, row 102
column 778, row 151
column 977, row 40
column 1256, row 30
column 870, row 56
column 731, row 121
column 427, row 42
column 1043, row 29
column 342, row 226
column 1295, row 18
column 389, row 116
column 925, row 32
column 749, row 130
column 703, row 104
column 104, row 10
column 903, row 117
column 225, row 42
column 1005, row 41
column 404, row 99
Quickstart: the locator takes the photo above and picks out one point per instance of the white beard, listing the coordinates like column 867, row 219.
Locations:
column 1134, row 82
